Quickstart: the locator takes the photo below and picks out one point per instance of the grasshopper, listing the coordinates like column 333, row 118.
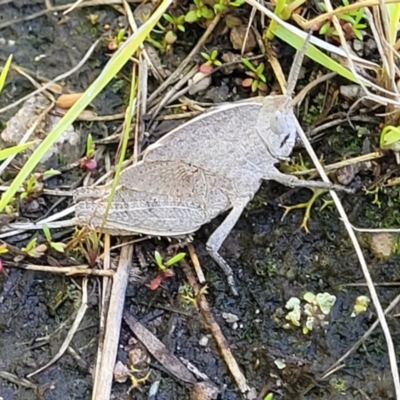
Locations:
column 214, row 163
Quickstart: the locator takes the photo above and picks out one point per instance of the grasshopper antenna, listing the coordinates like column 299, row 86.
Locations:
column 297, row 63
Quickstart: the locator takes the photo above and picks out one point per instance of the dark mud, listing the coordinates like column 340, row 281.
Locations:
column 273, row 261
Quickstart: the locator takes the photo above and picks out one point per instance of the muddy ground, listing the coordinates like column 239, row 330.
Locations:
column 273, row 261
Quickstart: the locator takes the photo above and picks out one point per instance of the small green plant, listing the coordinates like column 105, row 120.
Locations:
column 198, row 10
column 223, row 5
column 33, row 187
column 89, row 163
column 115, row 43
column 269, row 396
column 57, row 246
column 349, row 21
column 390, row 140
column 34, row 250
column 177, row 23
column 211, row 62
column 315, row 310
column 164, row 268
column 257, row 80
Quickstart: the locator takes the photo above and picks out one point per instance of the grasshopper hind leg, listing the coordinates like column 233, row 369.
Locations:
column 220, row 234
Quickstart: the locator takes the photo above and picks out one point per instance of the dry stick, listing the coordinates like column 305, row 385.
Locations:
column 58, row 78
column 103, row 310
column 175, row 75
column 219, row 337
column 332, row 167
column 79, row 317
column 357, row 247
column 68, row 271
column 102, row 390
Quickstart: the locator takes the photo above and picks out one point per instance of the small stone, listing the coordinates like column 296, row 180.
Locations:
column 230, row 318
column 358, row 46
column 381, row 244
column 203, row 342
column 204, row 391
column 238, row 35
column 121, row 372
column 230, row 58
column 351, row 91
column 200, row 83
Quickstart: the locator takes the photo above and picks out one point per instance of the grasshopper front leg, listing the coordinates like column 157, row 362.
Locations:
column 217, row 238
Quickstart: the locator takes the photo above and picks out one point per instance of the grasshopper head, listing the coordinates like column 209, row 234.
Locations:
column 276, row 126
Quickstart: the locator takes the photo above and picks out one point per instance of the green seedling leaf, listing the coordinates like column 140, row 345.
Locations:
column 168, row 18
column 4, row 73
column 324, row 28
column 50, row 173
column 249, row 65
column 325, row 302
column 47, row 233
column 3, row 248
column 175, row 259
column 57, row 247
column 237, row 3
column 269, row 396
column 390, row 135
column 89, row 146
column 11, row 151
column 159, row 260
column 191, row 16
column 207, row 13
column 114, row 65
column 30, row 245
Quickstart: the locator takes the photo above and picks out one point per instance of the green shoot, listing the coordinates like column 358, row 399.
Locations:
column 198, row 11
column 33, row 250
column 211, row 59
column 10, row 151
column 54, row 245
column 257, row 80
column 4, row 73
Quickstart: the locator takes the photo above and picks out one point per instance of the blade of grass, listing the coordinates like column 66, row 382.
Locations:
column 4, row 73
column 10, row 151
column 127, row 128
column 314, row 53
column 115, row 64
column 393, row 11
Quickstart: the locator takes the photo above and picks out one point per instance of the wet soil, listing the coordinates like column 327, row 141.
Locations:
column 273, row 261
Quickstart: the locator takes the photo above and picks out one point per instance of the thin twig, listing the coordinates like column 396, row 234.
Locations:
column 102, row 387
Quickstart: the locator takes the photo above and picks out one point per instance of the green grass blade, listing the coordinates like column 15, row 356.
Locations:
column 10, row 151
column 393, row 11
column 4, row 73
column 314, row 53
column 115, row 64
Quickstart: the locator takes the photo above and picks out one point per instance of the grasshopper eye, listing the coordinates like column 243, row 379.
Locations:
column 285, row 139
